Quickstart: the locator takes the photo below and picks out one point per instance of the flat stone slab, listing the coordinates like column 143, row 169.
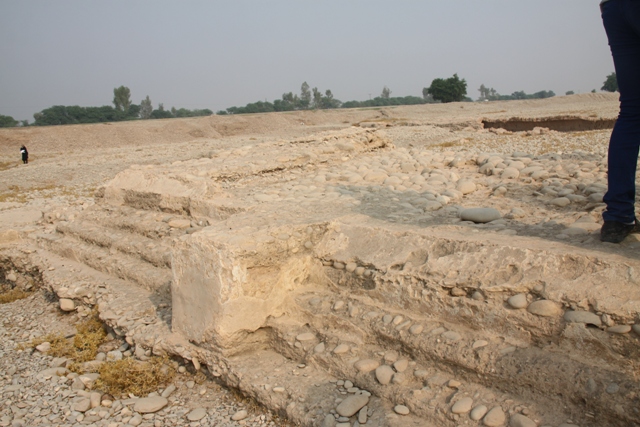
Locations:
column 147, row 405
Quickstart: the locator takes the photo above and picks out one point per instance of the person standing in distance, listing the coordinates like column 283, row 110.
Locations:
column 25, row 154
column 621, row 19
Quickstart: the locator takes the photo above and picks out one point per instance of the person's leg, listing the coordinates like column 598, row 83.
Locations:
column 621, row 19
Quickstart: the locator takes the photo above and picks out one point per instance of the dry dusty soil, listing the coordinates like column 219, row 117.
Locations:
column 433, row 265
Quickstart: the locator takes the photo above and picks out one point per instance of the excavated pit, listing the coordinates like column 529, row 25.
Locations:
column 287, row 265
column 559, row 123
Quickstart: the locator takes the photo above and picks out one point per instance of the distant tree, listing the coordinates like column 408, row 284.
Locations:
column 161, row 113
column 484, row 93
column 593, row 91
column 289, row 102
column 133, row 112
column 317, row 99
column 542, row 94
column 569, row 92
column 611, row 83
column 146, row 108
column 24, row 123
column 7, row 122
column 328, row 101
column 122, row 98
column 450, row 90
column 386, row 93
column 305, row 97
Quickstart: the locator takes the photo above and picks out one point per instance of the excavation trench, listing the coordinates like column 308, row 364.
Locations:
column 560, row 124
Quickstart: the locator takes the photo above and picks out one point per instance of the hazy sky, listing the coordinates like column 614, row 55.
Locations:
column 214, row 54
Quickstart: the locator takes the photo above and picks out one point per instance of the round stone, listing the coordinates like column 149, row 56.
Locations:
column 366, row 365
column 544, row 308
column 561, row 202
column 401, row 410
column 510, row 173
column 82, row 405
column 352, row 404
column 401, row 365
column 319, row 348
column 519, row 420
column 478, row 412
column 579, row 316
column 480, row 215
column 462, row 406
column 384, row 374
column 466, row 186
column 518, row 301
column 495, row 417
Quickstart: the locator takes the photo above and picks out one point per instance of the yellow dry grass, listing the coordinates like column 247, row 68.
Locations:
column 139, row 378
column 13, row 295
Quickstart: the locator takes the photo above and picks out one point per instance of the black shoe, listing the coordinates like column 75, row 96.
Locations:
column 615, row 232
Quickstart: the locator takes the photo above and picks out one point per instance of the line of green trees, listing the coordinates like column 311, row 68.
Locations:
column 123, row 109
column 452, row 89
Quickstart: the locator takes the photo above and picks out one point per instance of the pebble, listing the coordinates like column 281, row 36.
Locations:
column 351, row 405
column 579, row 316
column 466, row 186
column 341, row 349
column 462, row 406
column 480, row 215
column 319, row 348
column 240, row 415
column 307, row 336
column 518, row 301
column 519, row 420
column 384, row 374
column 366, row 365
column 416, row 329
column 362, row 415
column 44, row 347
column 619, row 329
column 636, row 328
column 478, row 412
column 401, row 410
column 495, row 417
column 197, row 414
column 67, row 304
column 147, row 405
column 544, row 308
column 401, row 365
column 561, row 202
column 479, row 344
column 82, row 405
column 329, row 421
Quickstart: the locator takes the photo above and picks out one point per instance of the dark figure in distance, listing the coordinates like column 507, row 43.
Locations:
column 25, row 154
column 621, row 19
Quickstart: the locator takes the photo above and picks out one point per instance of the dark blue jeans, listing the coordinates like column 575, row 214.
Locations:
column 621, row 20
